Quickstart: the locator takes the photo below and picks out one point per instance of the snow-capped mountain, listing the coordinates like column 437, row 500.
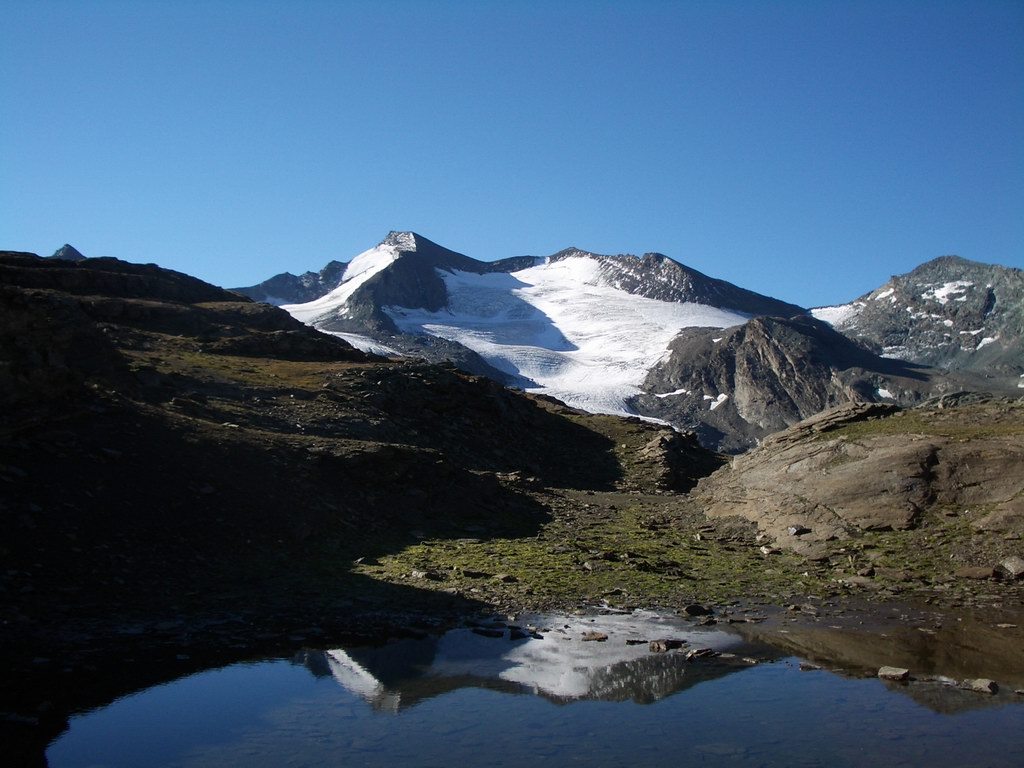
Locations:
column 649, row 336
column 581, row 327
column 949, row 312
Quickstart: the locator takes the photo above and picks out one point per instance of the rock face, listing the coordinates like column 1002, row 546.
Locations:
column 865, row 467
column 287, row 288
column 738, row 385
column 949, row 313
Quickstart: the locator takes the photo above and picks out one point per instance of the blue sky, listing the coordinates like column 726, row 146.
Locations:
column 807, row 150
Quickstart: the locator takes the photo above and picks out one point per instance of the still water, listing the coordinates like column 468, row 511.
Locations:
column 542, row 691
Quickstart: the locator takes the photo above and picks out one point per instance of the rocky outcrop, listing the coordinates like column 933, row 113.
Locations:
column 862, row 467
column 738, row 385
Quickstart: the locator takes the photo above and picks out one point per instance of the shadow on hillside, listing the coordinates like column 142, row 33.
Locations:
column 183, row 546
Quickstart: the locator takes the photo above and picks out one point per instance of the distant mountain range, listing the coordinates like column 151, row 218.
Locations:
column 646, row 335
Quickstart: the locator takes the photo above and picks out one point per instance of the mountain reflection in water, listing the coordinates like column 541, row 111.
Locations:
column 459, row 698
column 555, row 662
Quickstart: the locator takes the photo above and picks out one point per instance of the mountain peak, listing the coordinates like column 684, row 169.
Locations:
column 402, row 240
column 68, row 252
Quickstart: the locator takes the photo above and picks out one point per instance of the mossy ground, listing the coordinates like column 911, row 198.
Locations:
column 965, row 422
column 626, row 549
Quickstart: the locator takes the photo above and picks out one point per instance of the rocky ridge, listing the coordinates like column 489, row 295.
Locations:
column 286, row 288
column 949, row 313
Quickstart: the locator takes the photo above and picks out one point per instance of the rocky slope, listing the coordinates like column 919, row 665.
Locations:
column 150, row 423
column 949, row 313
column 738, row 385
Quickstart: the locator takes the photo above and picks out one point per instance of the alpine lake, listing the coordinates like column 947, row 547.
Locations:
column 595, row 688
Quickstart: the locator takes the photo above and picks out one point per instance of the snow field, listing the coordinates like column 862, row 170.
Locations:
column 562, row 329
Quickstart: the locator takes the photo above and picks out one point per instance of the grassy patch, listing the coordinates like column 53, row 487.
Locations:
column 969, row 422
column 637, row 555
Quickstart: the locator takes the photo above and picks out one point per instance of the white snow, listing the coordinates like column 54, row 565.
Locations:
column 673, row 393
column 885, row 294
column 896, row 353
column 1020, row 384
column 359, row 270
column 563, row 328
column 885, row 393
column 948, row 323
column 985, row 342
column 943, row 293
column 366, row 344
column 838, row 315
column 715, row 341
column 718, row 401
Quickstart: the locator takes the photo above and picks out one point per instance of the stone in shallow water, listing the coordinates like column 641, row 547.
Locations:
column 663, row 646
column 981, row 685
column 894, row 673
column 696, row 609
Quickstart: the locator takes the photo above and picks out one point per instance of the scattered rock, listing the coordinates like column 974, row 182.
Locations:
column 806, row 666
column 696, row 609
column 506, row 578
column 797, row 530
column 700, row 653
column 980, row 685
column 1012, row 567
column 894, row 673
column 597, row 637
column 428, row 575
column 663, row 646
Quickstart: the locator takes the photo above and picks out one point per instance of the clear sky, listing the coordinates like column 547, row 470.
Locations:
column 807, row 150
